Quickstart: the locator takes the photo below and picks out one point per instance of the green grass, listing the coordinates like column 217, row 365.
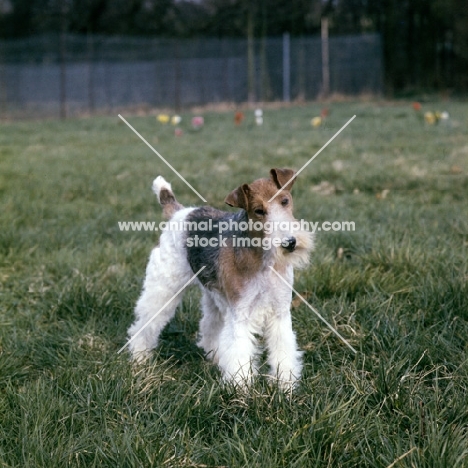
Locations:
column 396, row 288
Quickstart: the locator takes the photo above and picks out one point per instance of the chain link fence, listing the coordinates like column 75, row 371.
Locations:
column 68, row 75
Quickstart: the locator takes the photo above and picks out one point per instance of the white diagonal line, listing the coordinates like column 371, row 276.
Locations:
column 313, row 157
column 315, row 312
column 161, row 309
column 162, row 159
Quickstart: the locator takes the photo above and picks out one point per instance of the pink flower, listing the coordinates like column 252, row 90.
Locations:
column 198, row 122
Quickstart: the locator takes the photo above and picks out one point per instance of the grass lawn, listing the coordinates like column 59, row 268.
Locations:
column 396, row 288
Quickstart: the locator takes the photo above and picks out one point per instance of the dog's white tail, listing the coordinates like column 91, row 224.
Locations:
column 161, row 184
column 166, row 197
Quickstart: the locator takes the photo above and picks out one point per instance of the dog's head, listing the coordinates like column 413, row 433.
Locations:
column 269, row 204
column 260, row 197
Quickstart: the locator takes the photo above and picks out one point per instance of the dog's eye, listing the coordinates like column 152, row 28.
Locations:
column 259, row 212
column 285, row 202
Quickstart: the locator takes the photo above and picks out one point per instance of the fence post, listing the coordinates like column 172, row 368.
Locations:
column 63, row 59
column 3, row 86
column 177, row 101
column 286, row 68
column 251, row 81
column 63, row 75
column 325, row 59
column 226, row 93
column 90, row 47
column 301, row 71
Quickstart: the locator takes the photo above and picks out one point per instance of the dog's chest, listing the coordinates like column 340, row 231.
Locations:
column 267, row 291
column 262, row 296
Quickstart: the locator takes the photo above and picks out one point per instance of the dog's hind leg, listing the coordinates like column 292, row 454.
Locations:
column 156, row 305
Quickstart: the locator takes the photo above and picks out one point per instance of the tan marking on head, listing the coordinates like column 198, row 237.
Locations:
column 258, row 194
column 238, row 197
column 282, row 178
column 254, row 197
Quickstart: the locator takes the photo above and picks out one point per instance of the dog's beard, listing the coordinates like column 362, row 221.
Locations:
column 299, row 258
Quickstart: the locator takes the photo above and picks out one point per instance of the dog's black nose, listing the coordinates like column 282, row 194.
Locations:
column 289, row 244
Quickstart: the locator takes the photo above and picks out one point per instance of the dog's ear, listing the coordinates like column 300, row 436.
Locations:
column 238, row 198
column 282, row 178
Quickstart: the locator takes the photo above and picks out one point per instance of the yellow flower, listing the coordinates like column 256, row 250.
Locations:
column 316, row 122
column 430, row 118
column 163, row 118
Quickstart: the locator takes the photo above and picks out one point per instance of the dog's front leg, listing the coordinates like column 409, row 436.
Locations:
column 236, row 353
column 283, row 356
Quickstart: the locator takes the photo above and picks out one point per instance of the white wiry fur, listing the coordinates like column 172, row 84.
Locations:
column 227, row 331
column 167, row 271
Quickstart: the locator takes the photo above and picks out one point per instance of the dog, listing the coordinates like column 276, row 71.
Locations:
column 233, row 255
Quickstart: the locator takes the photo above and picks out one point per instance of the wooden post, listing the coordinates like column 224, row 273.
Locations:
column 250, row 57
column 286, row 68
column 177, row 78
column 90, row 47
column 63, row 74
column 325, row 59
column 3, row 86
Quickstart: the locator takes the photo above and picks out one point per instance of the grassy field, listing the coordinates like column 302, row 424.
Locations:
column 396, row 288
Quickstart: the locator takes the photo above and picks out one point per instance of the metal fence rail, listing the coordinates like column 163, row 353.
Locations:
column 73, row 74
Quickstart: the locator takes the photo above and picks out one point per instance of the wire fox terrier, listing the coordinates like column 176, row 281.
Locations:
column 241, row 295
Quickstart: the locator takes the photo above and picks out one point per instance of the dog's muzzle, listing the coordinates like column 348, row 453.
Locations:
column 289, row 243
